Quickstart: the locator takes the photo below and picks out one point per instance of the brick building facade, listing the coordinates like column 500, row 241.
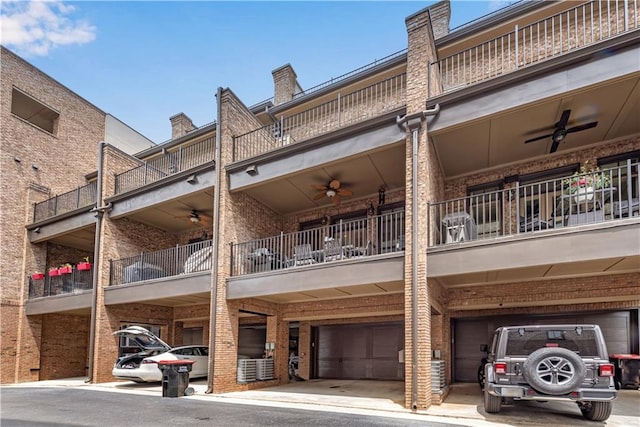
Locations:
column 375, row 227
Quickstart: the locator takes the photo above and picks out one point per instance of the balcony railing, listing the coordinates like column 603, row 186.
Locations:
column 343, row 110
column 179, row 159
column 578, row 27
column 191, row 258
column 346, row 240
column 63, row 284
column 589, row 198
column 81, row 197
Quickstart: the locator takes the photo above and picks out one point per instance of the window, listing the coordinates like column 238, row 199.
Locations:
column 485, row 206
column 36, row 113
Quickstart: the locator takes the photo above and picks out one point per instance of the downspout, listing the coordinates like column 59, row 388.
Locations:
column 414, row 246
column 96, row 259
column 214, row 249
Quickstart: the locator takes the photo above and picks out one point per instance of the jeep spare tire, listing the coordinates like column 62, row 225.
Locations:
column 554, row 370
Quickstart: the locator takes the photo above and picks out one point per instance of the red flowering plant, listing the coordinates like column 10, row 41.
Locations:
column 587, row 177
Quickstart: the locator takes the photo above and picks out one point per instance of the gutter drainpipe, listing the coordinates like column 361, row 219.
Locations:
column 96, row 260
column 214, row 250
column 414, row 245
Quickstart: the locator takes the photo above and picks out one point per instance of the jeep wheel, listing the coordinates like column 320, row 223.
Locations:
column 595, row 411
column 492, row 404
column 554, row 370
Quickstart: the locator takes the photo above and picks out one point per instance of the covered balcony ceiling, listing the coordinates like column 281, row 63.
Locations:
column 364, row 175
column 496, row 139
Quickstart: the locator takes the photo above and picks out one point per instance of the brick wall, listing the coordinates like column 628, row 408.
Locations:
column 64, row 346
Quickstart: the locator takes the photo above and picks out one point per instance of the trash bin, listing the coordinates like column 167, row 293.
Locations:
column 175, row 377
column 627, row 370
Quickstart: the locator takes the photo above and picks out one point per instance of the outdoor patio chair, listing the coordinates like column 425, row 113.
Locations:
column 333, row 250
column 303, row 255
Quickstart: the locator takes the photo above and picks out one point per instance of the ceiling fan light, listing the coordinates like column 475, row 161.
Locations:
column 331, row 193
column 194, row 218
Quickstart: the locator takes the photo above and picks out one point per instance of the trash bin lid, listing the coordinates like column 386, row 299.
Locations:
column 624, row 356
column 176, row 362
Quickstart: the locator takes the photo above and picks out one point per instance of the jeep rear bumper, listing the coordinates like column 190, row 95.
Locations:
column 523, row 392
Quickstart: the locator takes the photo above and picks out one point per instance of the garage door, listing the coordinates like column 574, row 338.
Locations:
column 469, row 334
column 359, row 351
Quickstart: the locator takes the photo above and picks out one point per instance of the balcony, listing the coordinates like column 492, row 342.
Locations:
column 169, row 277
column 343, row 110
column 172, row 162
column 571, row 30
column 81, row 197
column 545, row 205
column 73, row 282
column 343, row 241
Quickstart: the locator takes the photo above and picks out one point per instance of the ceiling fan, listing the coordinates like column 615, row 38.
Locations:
column 196, row 218
column 561, row 131
column 332, row 190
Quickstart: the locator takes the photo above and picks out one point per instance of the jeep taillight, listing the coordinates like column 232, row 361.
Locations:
column 605, row 370
column 500, row 368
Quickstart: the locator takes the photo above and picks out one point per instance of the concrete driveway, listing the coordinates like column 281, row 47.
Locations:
column 463, row 405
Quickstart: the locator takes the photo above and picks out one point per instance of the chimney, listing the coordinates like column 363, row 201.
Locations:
column 180, row 125
column 440, row 15
column 285, row 84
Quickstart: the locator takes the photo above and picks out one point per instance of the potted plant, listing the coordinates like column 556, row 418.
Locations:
column 84, row 265
column 65, row 269
column 37, row 276
column 584, row 182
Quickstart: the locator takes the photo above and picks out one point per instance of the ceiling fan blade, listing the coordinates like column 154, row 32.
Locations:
column 334, row 184
column 554, row 146
column 582, row 127
column 336, row 199
column 319, row 187
column 538, row 138
column 319, row 196
column 345, row 192
column 564, row 119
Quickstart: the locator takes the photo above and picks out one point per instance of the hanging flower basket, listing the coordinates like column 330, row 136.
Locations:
column 65, row 270
column 54, row 272
column 84, row 266
column 37, row 276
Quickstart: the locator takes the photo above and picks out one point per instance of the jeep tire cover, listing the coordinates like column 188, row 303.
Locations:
column 554, row 370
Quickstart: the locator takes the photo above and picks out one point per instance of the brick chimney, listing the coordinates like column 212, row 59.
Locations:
column 180, row 125
column 285, row 83
column 440, row 15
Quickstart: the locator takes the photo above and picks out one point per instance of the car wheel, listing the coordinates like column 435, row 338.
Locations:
column 554, row 370
column 595, row 411
column 492, row 404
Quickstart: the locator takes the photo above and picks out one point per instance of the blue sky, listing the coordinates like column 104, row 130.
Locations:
column 145, row 61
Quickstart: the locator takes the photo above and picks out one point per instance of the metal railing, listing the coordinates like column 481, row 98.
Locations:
column 345, row 240
column 343, row 110
column 171, row 162
column 588, row 198
column 63, row 284
column 580, row 26
column 191, row 258
column 81, row 197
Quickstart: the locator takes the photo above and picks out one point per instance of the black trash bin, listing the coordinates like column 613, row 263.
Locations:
column 627, row 370
column 175, row 377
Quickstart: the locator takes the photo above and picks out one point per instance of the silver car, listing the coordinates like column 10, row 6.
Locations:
column 143, row 366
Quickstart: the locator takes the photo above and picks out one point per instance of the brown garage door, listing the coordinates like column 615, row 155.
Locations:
column 367, row 351
column 469, row 334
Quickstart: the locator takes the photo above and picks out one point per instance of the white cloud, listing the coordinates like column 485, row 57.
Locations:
column 33, row 28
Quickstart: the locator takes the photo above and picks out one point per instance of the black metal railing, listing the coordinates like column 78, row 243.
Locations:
column 181, row 259
column 579, row 199
column 343, row 110
column 345, row 240
column 53, row 283
column 586, row 24
column 81, row 197
column 171, row 162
